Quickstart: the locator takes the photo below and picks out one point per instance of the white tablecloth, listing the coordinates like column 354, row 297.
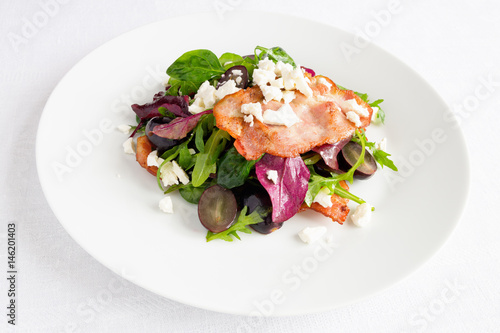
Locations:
column 455, row 45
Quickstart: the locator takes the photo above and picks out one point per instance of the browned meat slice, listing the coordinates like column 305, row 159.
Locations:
column 144, row 147
column 322, row 120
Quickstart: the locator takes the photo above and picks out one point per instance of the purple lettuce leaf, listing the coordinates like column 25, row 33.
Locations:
column 308, row 70
column 288, row 194
column 179, row 127
column 329, row 152
column 175, row 104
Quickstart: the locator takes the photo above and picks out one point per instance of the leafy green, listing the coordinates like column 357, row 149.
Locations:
column 206, row 161
column 317, row 182
column 381, row 157
column 196, row 66
column 241, row 225
column 229, row 59
column 233, row 169
column 190, row 193
column 275, row 54
column 180, row 88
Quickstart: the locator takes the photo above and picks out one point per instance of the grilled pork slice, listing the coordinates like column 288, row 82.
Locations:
column 337, row 212
column 144, row 148
column 323, row 119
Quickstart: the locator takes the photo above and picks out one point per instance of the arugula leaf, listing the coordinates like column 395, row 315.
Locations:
column 206, row 161
column 275, row 54
column 380, row 156
column 241, row 225
column 316, row 182
column 233, row 169
column 196, row 66
column 190, row 193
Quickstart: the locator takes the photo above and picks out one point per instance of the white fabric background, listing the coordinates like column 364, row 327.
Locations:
column 452, row 44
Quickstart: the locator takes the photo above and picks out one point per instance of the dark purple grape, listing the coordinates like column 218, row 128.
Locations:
column 217, row 208
column 162, row 144
column 349, row 155
column 256, row 197
column 232, row 74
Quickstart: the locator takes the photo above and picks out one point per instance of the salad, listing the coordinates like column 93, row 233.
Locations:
column 253, row 140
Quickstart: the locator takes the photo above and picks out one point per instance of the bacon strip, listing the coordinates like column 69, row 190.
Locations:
column 144, row 148
column 323, row 120
column 337, row 212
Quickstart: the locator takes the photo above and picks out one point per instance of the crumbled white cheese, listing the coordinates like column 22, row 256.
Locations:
column 288, row 96
column 165, row 205
column 362, row 215
column 283, row 69
column 374, row 114
column 267, row 65
column 192, row 151
column 311, row 234
column 237, row 72
column 278, row 83
column 271, row 93
column 382, row 144
column 238, row 79
column 272, row 175
column 180, row 173
column 361, row 111
column 129, row 146
column 301, row 83
column 204, row 99
column 323, row 81
column 354, row 118
column 227, row 88
column 125, row 129
column 171, row 173
column 153, row 159
column 262, row 77
column 251, row 110
column 283, row 116
column 324, row 198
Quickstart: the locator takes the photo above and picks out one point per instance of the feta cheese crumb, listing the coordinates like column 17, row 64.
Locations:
column 238, row 79
column 272, row 175
column 382, row 144
column 192, row 151
column 288, row 96
column 362, row 215
column 262, row 77
column 361, row 111
column 171, row 173
column 165, row 205
column 204, row 99
column 129, row 146
column 271, row 93
column 283, row 116
column 323, row 81
column 374, row 114
column 251, row 110
column 125, row 129
column 324, row 198
column 301, row 83
column 311, row 234
column 354, row 118
column 278, row 83
column 153, row 159
column 267, row 65
column 180, row 173
column 227, row 88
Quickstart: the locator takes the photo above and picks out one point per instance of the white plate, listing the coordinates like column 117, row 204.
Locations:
column 109, row 205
